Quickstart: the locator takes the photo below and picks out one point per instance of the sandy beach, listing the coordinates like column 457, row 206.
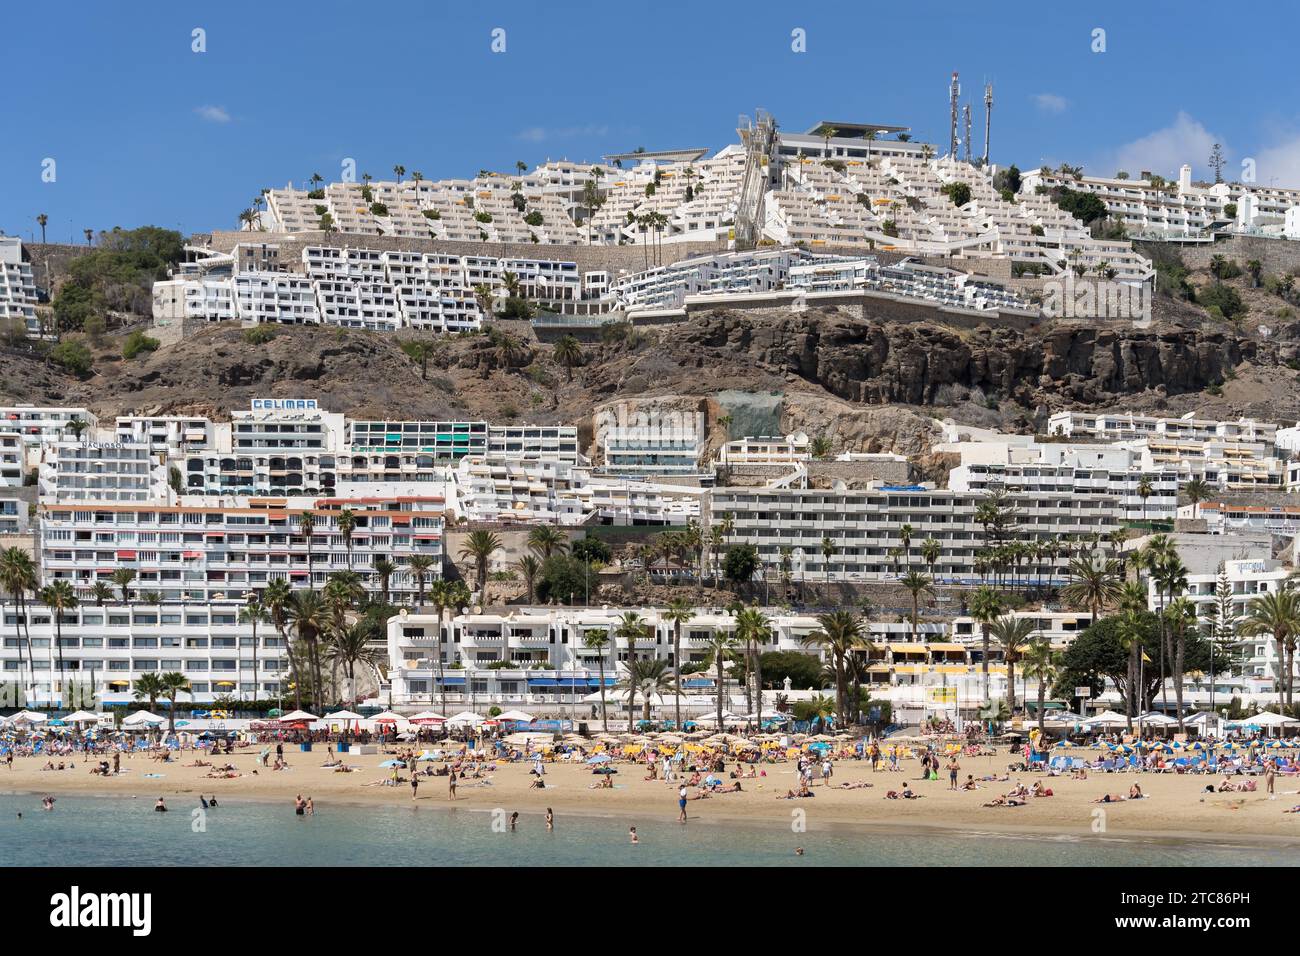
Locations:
column 1176, row 806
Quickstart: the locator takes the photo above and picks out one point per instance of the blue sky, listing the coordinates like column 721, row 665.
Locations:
column 143, row 130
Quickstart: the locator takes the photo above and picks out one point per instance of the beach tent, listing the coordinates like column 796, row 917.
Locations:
column 82, row 717
column 518, row 715
column 1155, row 720
column 1268, row 719
column 298, row 715
column 465, row 717
column 426, row 717
column 343, row 715
column 27, row 717
column 387, row 717
column 1107, row 718
column 142, row 718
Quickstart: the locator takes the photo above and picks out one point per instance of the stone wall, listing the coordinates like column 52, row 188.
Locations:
column 1276, row 255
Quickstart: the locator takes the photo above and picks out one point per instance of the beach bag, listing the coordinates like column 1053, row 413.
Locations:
column 934, row 775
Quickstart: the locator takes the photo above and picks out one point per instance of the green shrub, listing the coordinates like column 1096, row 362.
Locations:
column 259, row 334
column 136, row 343
column 73, row 355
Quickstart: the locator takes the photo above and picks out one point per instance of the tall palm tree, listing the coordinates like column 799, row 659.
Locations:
column 838, row 636
column 753, row 630
column 100, row 592
column 58, row 596
column 310, row 617
column 18, row 576
column 630, row 626
column 1131, row 632
column 172, row 683
column 546, row 540
column 384, row 570
column 529, row 568
column 351, row 645
column 123, row 577
column 276, row 597
column 1094, row 584
column 419, row 565
column 306, row 528
column 678, row 612
column 597, row 639
column 1180, row 619
column 1013, row 634
column 1145, row 490
column 254, row 613
column 1042, row 664
column 916, row 584
column 828, row 552
column 479, row 547
column 1276, row 615
column 722, row 645
column 931, row 550
column 347, row 523
column 652, row 679
column 1170, row 577
column 985, row 607
column 446, row 594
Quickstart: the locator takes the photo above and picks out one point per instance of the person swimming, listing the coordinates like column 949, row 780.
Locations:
column 160, row 806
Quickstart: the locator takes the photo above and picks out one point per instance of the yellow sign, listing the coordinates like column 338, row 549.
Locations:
column 941, row 695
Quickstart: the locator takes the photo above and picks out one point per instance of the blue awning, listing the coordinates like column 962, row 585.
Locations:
column 542, row 682
column 697, row 683
column 449, row 681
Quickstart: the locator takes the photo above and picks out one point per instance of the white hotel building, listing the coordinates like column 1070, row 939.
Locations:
column 111, row 473
column 17, row 286
column 204, row 550
column 1125, row 426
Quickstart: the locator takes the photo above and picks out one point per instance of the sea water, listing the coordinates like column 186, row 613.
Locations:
column 119, row 831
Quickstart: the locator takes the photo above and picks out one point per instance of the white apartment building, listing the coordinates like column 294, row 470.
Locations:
column 17, row 286
column 650, row 440
column 105, row 472
column 766, row 450
column 1230, row 518
column 202, row 550
column 1051, row 468
column 13, row 459
column 171, row 435
column 534, row 442
column 42, row 423
column 105, row 649
column 863, row 527
column 1128, row 426
column 1225, row 464
column 275, row 297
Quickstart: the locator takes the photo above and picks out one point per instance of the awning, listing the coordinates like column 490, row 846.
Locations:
column 126, row 555
column 907, row 648
column 452, row 681
column 957, row 648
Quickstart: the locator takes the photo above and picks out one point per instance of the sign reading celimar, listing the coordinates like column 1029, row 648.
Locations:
column 283, row 404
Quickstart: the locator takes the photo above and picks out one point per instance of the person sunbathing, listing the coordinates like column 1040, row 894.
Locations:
column 791, row 795
column 1010, row 800
column 853, row 785
column 732, row 788
column 1039, row 790
column 1111, row 798
column 970, row 783
column 199, row 763
column 1135, row 793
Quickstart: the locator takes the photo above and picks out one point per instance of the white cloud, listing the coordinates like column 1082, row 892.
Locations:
column 1185, row 140
column 536, row 134
column 213, row 114
column 1050, row 102
column 1278, row 164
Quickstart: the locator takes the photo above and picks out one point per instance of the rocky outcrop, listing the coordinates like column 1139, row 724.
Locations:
column 911, row 363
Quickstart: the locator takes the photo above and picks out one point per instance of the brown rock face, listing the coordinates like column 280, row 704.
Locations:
column 908, row 363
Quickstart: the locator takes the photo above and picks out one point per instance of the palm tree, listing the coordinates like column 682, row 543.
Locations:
column 101, row 591
column 351, row 645
column 838, row 636
column 1131, row 634
column 1181, row 618
column 276, row 597
column 254, row 613
column 310, row 617
column 653, row 679
column 123, row 577
column 905, row 539
column 148, row 687
column 1276, row 615
column 1170, row 577
column 1013, row 634
column 916, row 584
column 546, row 540
column 828, row 552
column 172, row 683
column 384, row 570
column 42, row 220
column 679, row 612
column 1093, row 584
column 630, row 626
column 985, row 607
column 597, row 639
column 306, row 527
column 930, row 553
column 753, row 630
column 568, row 353
column 1145, row 491
column 529, row 568
column 347, row 523
column 443, row 595
column 58, row 596
column 722, row 645
column 1197, row 490
column 1043, row 664
column 479, row 547
column 419, row 565
column 18, row 576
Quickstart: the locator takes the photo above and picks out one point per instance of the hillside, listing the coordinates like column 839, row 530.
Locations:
column 839, row 374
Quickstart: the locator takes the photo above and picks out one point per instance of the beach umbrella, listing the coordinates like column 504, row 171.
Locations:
column 28, row 717
column 599, row 758
column 465, row 717
column 392, row 763
column 426, row 717
column 142, row 718
column 387, row 717
column 82, row 717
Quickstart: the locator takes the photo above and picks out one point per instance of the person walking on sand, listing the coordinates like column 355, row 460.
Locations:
column 1270, row 775
column 451, row 785
column 681, row 805
column 415, row 786
column 953, row 767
